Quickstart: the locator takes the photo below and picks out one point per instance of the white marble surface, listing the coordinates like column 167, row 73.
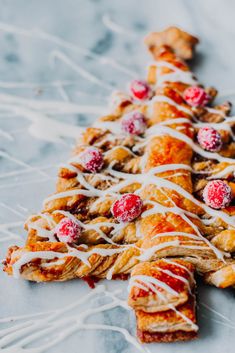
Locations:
column 25, row 58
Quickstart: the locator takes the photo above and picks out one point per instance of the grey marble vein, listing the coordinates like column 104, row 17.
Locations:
column 27, row 59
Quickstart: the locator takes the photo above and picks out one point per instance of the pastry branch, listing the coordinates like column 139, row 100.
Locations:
column 161, row 293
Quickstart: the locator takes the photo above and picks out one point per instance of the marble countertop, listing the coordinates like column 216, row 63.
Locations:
column 56, row 56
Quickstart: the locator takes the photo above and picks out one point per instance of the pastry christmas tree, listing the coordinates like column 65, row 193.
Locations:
column 151, row 180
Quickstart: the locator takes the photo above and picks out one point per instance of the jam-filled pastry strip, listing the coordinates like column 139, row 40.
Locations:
column 161, row 293
column 46, row 261
column 160, row 147
column 152, row 164
column 153, row 286
column 179, row 154
column 216, row 165
column 208, row 170
column 168, row 326
column 106, row 260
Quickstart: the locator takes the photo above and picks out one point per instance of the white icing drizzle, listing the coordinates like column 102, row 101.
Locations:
column 172, row 234
column 27, row 169
column 165, row 99
column 183, row 267
column 41, row 84
column 223, row 173
column 147, row 254
column 151, row 280
column 50, row 106
column 20, row 183
column 49, row 219
column 61, row 323
column 225, row 125
column 62, row 92
column 215, row 111
column 181, row 278
column 43, row 126
column 217, row 313
column 95, row 226
column 42, row 232
column 22, row 164
column 53, row 263
column 184, row 317
column 117, row 98
column 145, row 179
column 36, row 112
column 148, row 179
column 151, row 283
column 218, row 126
column 123, row 148
column 5, row 134
column 112, row 126
column 116, row 28
column 165, row 130
column 56, row 54
column 42, row 35
column 187, row 77
column 54, row 129
column 13, row 210
column 26, row 257
column 176, row 121
column 6, row 228
column 177, row 75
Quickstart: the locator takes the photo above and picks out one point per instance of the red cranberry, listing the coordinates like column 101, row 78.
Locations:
column 68, row 230
column 209, row 139
column 133, row 123
column 92, row 159
column 217, row 194
column 140, row 89
column 127, row 208
column 196, row 96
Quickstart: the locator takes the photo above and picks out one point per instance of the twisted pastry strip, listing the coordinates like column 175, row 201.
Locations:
column 29, row 263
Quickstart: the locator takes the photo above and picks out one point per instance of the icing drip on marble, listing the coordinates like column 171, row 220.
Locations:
column 62, row 323
column 38, row 114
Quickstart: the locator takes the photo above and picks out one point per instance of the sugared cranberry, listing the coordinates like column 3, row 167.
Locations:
column 209, row 139
column 92, row 159
column 133, row 123
column 140, row 89
column 68, row 230
column 196, row 96
column 127, row 208
column 217, row 194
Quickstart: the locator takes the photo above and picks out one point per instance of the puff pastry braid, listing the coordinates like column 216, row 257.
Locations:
column 147, row 146
column 161, row 293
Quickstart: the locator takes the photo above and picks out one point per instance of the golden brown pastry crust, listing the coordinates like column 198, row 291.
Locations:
column 167, row 326
column 181, row 42
column 167, row 321
column 160, row 150
column 177, row 274
column 175, row 229
column 165, row 337
column 161, row 294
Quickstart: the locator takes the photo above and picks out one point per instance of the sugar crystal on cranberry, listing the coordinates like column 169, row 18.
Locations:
column 92, row 159
column 68, row 230
column 127, row 208
column 196, row 96
column 209, row 139
column 217, row 194
column 140, row 89
column 133, row 123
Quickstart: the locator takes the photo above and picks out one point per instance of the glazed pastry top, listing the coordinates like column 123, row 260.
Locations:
column 163, row 145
